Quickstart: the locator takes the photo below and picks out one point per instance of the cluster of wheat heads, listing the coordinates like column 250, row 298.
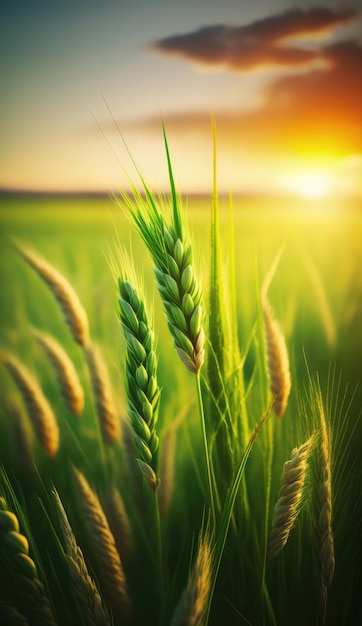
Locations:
column 103, row 525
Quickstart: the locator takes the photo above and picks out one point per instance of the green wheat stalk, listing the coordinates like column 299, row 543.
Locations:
column 171, row 252
column 217, row 362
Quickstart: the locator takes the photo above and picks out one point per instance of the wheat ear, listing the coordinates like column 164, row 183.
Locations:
column 143, row 391
column 111, row 574
column 22, row 436
column 40, row 413
column 74, row 314
column 65, row 371
column 171, row 253
column 93, row 610
column 20, row 567
column 276, row 349
column 103, row 396
column 119, row 523
column 192, row 607
column 287, row 506
column 322, row 511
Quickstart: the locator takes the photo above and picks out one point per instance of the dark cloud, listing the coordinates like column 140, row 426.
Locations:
column 259, row 43
column 319, row 111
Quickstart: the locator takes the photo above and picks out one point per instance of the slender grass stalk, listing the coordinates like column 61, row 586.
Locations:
column 229, row 507
column 210, row 482
column 236, row 383
column 217, row 357
column 269, row 472
column 237, row 373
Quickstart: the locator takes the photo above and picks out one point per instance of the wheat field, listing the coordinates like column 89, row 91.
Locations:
column 180, row 445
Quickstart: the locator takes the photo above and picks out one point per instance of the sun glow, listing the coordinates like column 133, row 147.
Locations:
column 309, row 184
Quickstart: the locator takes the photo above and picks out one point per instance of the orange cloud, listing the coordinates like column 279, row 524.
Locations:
column 314, row 113
column 259, row 43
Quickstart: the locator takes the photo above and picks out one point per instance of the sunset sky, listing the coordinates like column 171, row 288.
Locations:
column 283, row 84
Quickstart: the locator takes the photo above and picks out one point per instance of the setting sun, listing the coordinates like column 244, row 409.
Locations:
column 309, row 184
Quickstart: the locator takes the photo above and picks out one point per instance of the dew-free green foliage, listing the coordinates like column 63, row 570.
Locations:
column 205, row 559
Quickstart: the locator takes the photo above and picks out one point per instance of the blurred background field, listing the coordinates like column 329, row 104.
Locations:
column 316, row 294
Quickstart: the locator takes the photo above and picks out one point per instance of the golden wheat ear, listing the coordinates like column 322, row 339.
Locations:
column 111, row 574
column 276, row 348
column 119, row 523
column 22, row 436
column 93, row 609
column 322, row 509
column 192, row 607
column 39, row 410
column 103, row 396
column 67, row 298
column 65, row 372
column 290, row 494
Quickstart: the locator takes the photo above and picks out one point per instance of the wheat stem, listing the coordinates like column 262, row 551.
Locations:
column 210, row 488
